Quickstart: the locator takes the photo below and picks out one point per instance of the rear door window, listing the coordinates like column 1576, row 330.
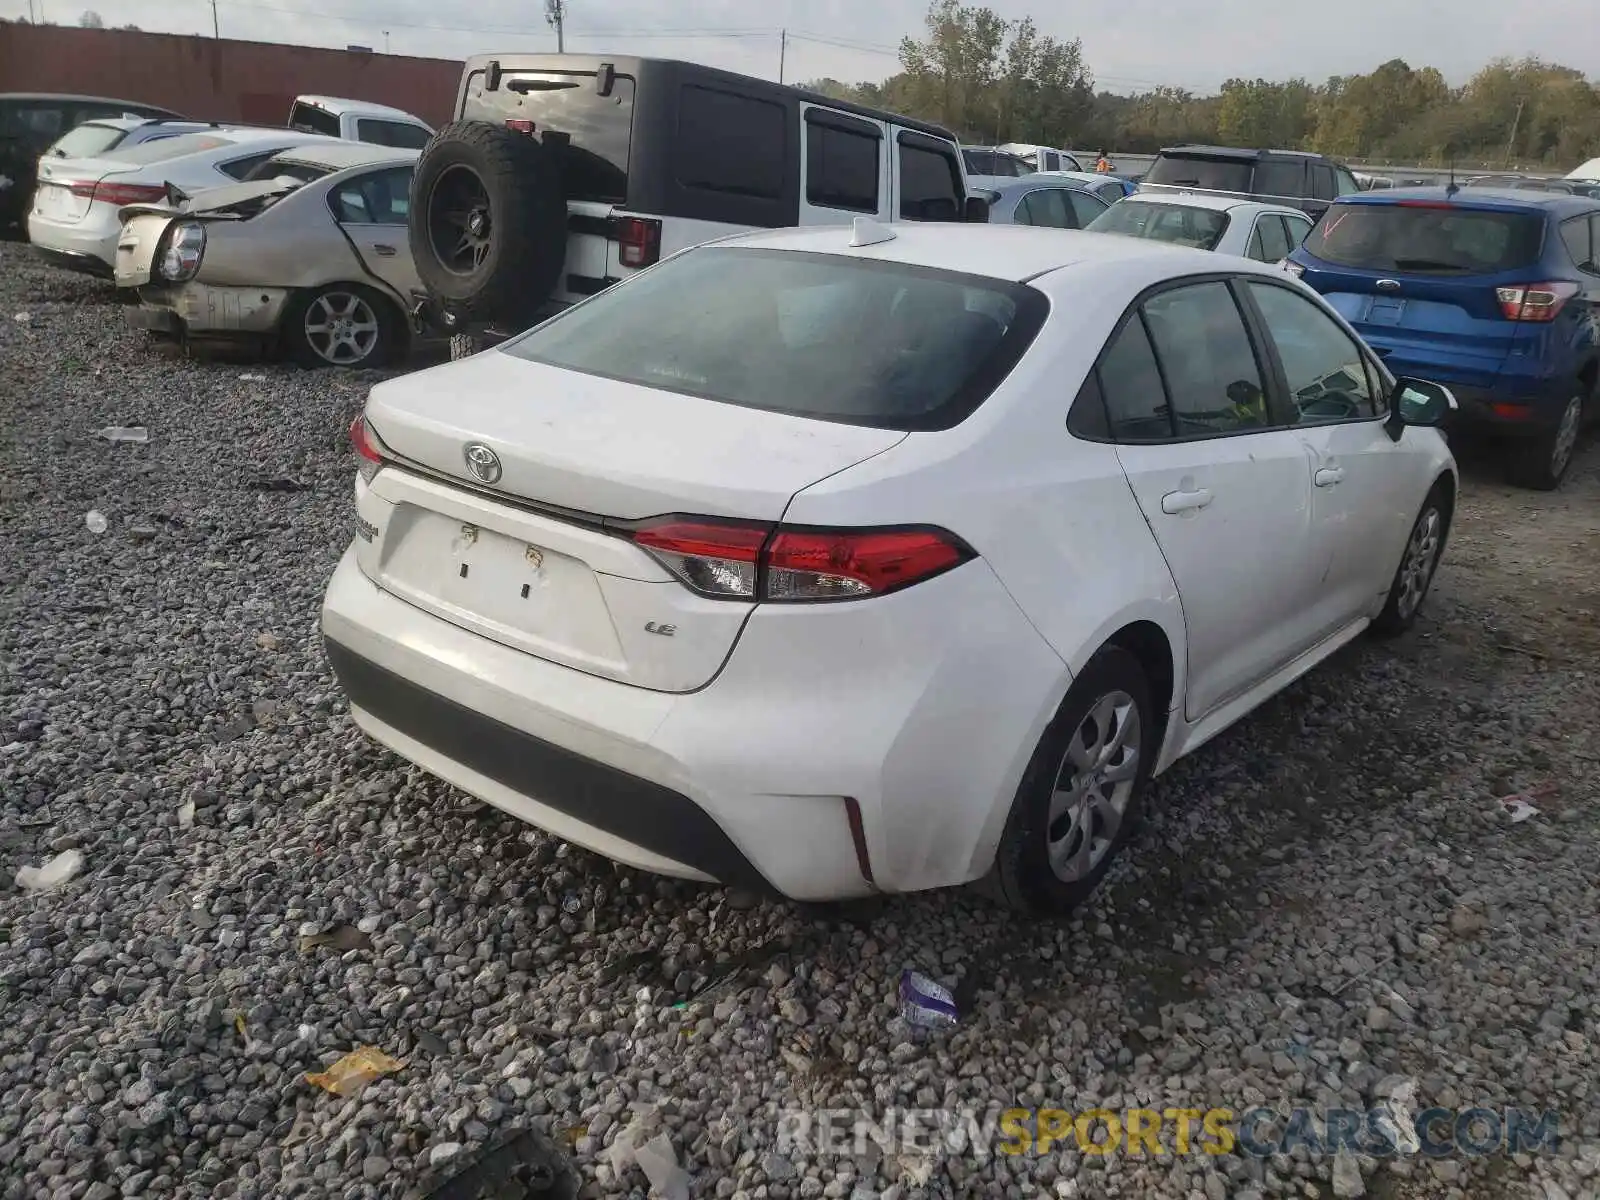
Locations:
column 1322, row 187
column 1282, row 178
column 1084, row 207
column 930, row 181
column 1202, row 173
column 1268, row 243
column 1296, row 229
column 1047, row 207
column 730, row 143
column 392, row 133
column 1135, row 398
column 842, row 162
column 376, row 198
column 1207, row 360
column 1451, row 239
column 308, row 118
column 907, row 347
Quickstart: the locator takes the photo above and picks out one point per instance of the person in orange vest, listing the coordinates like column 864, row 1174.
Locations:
column 1104, row 165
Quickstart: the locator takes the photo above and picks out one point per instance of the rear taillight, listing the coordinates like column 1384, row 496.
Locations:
column 369, row 450
column 640, row 241
column 1534, row 301
column 738, row 560
column 118, row 193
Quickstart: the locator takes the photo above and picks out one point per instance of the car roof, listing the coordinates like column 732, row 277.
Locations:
column 1560, row 203
column 1014, row 253
column 340, row 106
column 1240, row 152
column 1214, row 201
column 1081, row 176
column 340, row 155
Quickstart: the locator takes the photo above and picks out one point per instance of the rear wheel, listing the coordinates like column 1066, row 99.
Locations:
column 1082, row 795
column 342, row 325
column 1541, row 462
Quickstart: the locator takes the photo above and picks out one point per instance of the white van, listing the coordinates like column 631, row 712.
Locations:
column 1044, row 158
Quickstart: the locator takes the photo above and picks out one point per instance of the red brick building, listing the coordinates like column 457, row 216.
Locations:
column 217, row 79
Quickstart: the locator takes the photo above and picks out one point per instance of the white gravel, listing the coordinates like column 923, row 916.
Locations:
column 1324, row 899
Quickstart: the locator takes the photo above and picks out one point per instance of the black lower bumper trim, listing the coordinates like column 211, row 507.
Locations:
column 650, row 816
column 84, row 264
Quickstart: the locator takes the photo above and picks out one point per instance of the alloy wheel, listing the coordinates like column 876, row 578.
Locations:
column 341, row 328
column 1416, row 568
column 1093, row 787
column 459, row 223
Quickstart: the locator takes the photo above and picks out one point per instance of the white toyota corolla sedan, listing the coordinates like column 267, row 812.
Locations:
column 839, row 561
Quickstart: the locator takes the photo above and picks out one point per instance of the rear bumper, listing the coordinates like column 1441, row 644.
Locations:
column 1512, row 412
column 822, row 763
column 202, row 310
column 74, row 260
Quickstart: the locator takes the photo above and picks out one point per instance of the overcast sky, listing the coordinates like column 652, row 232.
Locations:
column 1130, row 44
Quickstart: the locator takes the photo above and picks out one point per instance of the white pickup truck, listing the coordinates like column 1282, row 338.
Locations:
column 358, row 121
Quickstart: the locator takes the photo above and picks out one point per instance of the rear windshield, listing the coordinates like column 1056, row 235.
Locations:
column 88, row 140
column 601, row 127
column 1181, row 224
column 1449, row 239
column 817, row 335
column 1207, row 174
column 163, row 149
column 995, row 162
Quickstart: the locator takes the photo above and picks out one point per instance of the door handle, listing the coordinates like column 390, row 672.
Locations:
column 1328, row 476
column 1180, row 502
column 383, row 251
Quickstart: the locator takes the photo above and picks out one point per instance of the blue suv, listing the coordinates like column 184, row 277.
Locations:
column 1495, row 293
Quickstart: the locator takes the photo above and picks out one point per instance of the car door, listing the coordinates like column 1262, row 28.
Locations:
column 1223, row 484
column 371, row 209
column 1047, row 208
column 1085, row 206
column 1363, row 493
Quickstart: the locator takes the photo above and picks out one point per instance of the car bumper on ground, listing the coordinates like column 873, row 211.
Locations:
column 202, row 310
column 84, row 247
column 817, row 767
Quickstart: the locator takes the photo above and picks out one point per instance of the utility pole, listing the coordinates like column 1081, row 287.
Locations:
column 216, row 30
column 783, row 51
column 386, row 41
column 555, row 12
column 1512, row 140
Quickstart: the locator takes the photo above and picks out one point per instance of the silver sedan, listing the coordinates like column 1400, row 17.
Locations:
column 1056, row 201
column 311, row 252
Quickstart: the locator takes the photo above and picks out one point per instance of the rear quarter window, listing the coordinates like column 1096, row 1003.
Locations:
column 815, row 335
column 1447, row 239
column 731, row 143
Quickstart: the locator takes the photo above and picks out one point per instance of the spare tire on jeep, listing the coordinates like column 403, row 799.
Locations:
column 488, row 222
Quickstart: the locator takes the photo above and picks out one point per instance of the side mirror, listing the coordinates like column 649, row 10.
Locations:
column 976, row 211
column 1418, row 402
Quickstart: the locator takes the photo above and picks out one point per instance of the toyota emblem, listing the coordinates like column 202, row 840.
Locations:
column 483, row 462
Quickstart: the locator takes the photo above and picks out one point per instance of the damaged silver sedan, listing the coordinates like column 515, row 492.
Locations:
column 308, row 253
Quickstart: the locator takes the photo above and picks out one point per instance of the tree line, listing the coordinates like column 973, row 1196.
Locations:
column 993, row 81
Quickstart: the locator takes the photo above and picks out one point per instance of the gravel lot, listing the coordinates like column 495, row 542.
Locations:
column 1324, row 899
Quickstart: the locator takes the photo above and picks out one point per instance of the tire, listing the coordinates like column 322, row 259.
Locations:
column 1419, row 562
column 367, row 329
column 1541, row 463
column 1109, row 698
column 464, row 345
column 488, row 226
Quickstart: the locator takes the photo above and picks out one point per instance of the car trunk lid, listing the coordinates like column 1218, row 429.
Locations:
column 1419, row 280
column 534, row 553
column 144, row 224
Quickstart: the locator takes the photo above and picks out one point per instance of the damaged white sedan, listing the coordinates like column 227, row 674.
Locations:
column 309, row 254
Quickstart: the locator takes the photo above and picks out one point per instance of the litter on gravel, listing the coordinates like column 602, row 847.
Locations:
column 52, row 874
column 137, row 434
column 354, row 1071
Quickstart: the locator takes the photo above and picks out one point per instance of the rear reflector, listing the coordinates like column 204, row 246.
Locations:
column 1511, row 412
column 520, row 125
column 738, row 560
column 1535, row 301
column 118, row 193
column 640, row 241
